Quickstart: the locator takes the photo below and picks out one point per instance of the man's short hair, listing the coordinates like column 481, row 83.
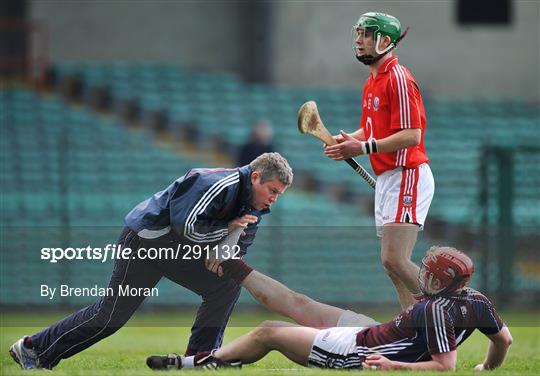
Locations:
column 271, row 166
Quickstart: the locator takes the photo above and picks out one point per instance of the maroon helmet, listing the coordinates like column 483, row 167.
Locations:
column 444, row 270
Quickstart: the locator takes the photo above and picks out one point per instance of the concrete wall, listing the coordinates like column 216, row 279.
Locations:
column 311, row 42
column 194, row 34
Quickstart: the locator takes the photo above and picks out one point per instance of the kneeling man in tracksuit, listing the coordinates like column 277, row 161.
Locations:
column 203, row 209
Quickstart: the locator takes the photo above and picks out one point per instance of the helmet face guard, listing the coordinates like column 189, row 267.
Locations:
column 377, row 26
column 367, row 32
column 433, row 282
column 444, row 271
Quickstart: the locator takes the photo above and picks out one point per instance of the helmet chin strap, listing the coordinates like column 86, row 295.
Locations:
column 369, row 59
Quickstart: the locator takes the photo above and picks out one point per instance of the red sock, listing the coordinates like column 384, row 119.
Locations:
column 27, row 342
column 236, row 269
column 201, row 355
column 190, row 352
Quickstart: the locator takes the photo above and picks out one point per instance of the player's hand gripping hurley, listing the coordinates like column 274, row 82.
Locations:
column 309, row 121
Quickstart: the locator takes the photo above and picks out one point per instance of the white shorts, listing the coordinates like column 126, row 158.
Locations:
column 335, row 348
column 403, row 195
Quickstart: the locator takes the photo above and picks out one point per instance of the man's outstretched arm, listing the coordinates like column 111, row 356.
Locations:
column 439, row 362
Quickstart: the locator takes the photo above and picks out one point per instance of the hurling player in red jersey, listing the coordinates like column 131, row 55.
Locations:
column 422, row 337
column 392, row 133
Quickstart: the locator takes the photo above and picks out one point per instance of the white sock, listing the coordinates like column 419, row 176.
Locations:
column 188, row 362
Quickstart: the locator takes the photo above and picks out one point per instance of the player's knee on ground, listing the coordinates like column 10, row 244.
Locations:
column 263, row 333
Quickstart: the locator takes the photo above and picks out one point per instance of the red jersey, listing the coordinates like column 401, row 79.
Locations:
column 391, row 102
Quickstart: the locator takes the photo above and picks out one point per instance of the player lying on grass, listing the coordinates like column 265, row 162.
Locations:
column 422, row 337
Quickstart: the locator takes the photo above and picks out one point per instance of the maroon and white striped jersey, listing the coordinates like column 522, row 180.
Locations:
column 434, row 325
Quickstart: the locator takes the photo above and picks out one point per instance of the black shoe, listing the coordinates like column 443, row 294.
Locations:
column 159, row 362
column 175, row 361
column 209, row 362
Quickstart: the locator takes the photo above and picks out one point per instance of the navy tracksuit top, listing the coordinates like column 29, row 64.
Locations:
column 197, row 208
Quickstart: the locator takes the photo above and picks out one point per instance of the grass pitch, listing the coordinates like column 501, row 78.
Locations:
column 125, row 352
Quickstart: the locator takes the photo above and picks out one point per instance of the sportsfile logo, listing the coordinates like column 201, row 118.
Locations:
column 53, row 255
column 117, row 252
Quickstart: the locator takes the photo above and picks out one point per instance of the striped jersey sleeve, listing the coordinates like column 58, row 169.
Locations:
column 405, row 100
column 439, row 329
column 489, row 321
column 195, row 211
